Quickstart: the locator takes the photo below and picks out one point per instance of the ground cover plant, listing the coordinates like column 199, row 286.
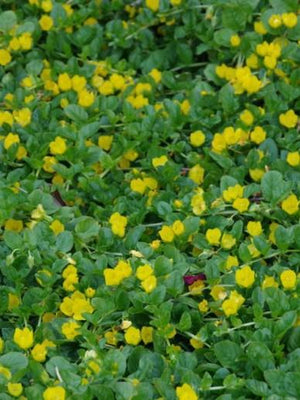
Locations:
column 150, row 185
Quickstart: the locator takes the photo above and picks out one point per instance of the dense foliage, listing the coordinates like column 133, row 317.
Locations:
column 150, row 185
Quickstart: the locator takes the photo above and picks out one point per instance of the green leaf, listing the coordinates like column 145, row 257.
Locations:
column 64, row 241
column 282, row 6
column 8, row 20
column 228, row 353
column 222, row 36
column 284, row 237
column 185, row 322
column 59, row 363
column 133, row 236
column 254, row 353
column 14, row 361
column 13, row 240
column 89, row 130
column 225, row 162
column 277, row 301
column 86, row 228
column 162, row 266
column 34, row 67
column 76, row 113
column 228, row 100
column 258, row 388
column 284, row 384
column 285, row 322
column 235, row 15
column 274, row 188
column 163, row 208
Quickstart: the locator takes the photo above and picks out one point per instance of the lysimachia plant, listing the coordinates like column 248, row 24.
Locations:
column 149, row 219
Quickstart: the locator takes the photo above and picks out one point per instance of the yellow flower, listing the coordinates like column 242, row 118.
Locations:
column 270, row 62
column 289, row 19
column 81, row 306
column 197, row 138
column 213, row 236
column 118, row 81
column 131, row 155
column 14, row 44
column 288, row 119
column 159, row 161
column 70, row 329
column 78, row 83
column 57, row 227
column 118, row 223
column 5, row 57
column 203, row 306
column 232, row 261
column 13, row 301
column 105, row 142
column 111, row 338
column 269, row 281
column 49, row 162
column 155, row 74
column 260, row 28
column 23, row 338
column 15, row 389
column 47, row 5
column 227, row 241
column 245, row 276
column 235, row 40
column 254, row 228
column 232, row 193
column 293, row 158
column 106, row 88
column 39, row 352
column 247, row 117
column 58, row 146
column 256, row 174
column 175, row 2
column 275, row 21
column 138, row 185
column 178, row 227
column 13, row 225
column 54, row 393
column 124, row 269
column 149, row 284
column 218, row 293
column 144, row 271
column 196, row 343
column 64, row 82
column 166, row 233
column 218, row 143
column 5, row 371
column 112, row 278
column 185, row 107
column 232, row 305
column 10, row 139
column 241, row 204
column 258, row 135
column 133, row 336
column 153, row 5
column 288, row 279
column 23, row 116
column 186, row 392
column 46, row 22
column 86, row 98
column 196, row 174
column 25, row 41
column 290, row 205
column 147, row 334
